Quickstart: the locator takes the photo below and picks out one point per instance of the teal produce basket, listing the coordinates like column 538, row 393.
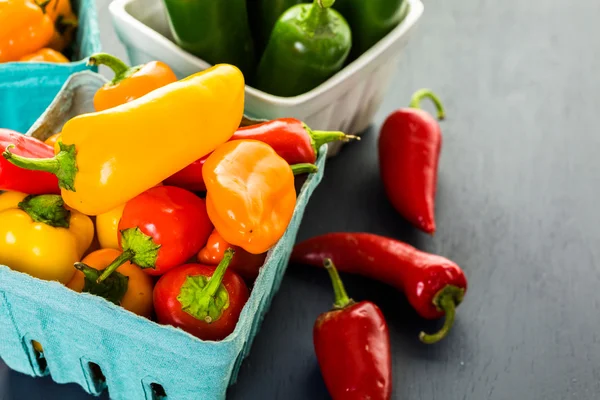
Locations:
column 27, row 88
column 98, row 345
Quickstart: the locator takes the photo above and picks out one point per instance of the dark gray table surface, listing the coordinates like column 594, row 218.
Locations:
column 517, row 208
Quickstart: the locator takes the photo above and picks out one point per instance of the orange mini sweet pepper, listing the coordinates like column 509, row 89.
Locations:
column 65, row 22
column 24, row 28
column 45, row 55
column 250, row 193
column 107, row 158
column 129, row 83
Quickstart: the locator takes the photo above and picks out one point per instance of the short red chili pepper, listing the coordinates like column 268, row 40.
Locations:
column 409, row 150
column 352, row 344
column 433, row 284
column 160, row 229
column 247, row 265
column 17, row 179
column 203, row 301
column 291, row 139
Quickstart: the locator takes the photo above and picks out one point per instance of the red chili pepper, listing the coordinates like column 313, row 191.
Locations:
column 203, row 301
column 290, row 138
column 433, row 284
column 21, row 180
column 352, row 343
column 245, row 264
column 160, row 229
column 409, row 149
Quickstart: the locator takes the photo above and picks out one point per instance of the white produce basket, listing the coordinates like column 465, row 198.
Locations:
column 346, row 102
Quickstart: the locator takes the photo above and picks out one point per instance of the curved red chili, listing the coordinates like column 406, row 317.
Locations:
column 433, row 284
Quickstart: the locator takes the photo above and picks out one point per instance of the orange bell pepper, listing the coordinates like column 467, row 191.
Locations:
column 45, row 55
column 53, row 141
column 24, row 28
column 129, row 83
column 250, row 193
column 65, row 22
column 130, row 287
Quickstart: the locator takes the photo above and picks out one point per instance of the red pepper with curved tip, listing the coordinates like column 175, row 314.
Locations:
column 434, row 285
column 21, row 180
column 352, row 344
column 295, row 142
column 247, row 265
column 409, row 150
column 202, row 300
column 161, row 229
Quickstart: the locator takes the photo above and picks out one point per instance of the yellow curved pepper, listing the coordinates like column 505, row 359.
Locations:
column 107, row 228
column 41, row 237
column 106, row 158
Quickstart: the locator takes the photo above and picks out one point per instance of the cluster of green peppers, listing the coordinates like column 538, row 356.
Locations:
column 283, row 47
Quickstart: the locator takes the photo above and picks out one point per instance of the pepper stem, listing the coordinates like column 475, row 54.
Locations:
column 217, row 277
column 122, row 259
column 325, row 3
column 427, row 93
column 120, row 69
column 43, row 4
column 37, row 164
column 319, row 138
column 445, row 300
column 47, row 208
column 341, row 299
column 304, row 168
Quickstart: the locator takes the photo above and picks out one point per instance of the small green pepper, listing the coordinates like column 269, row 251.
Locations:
column 215, row 30
column 263, row 16
column 308, row 45
column 371, row 20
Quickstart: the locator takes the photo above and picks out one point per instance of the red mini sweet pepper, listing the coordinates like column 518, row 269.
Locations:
column 160, row 229
column 21, row 180
column 203, row 301
column 352, row 344
column 295, row 142
column 434, row 285
column 409, row 150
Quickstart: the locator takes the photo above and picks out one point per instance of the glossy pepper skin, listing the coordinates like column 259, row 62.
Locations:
column 202, row 300
column 24, row 28
column 352, row 344
column 41, row 237
column 107, row 228
column 21, row 180
column 295, row 142
column 160, row 229
column 100, row 152
column 308, row 45
column 433, row 284
column 215, row 31
column 409, row 149
column 250, row 194
column 263, row 16
column 129, row 83
column 129, row 288
column 371, row 20
column 45, row 55
column 245, row 264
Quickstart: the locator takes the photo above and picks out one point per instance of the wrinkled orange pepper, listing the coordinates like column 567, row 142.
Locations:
column 24, row 28
column 129, row 83
column 45, row 55
column 250, row 193
column 132, row 290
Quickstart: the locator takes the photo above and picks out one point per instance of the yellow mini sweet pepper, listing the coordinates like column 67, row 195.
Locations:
column 106, row 158
column 42, row 237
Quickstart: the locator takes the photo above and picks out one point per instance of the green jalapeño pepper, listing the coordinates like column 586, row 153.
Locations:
column 215, row 30
column 371, row 20
column 309, row 44
column 263, row 16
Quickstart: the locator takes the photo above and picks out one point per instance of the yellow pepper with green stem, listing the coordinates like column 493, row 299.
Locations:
column 41, row 237
column 107, row 158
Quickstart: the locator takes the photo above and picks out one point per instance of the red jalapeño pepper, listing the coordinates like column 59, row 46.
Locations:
column 160, row 229
column 247, row 265
column 352, row 344
column 200, row 299
column 433, row 284
column 409, row 150
column 290, row 138
column 17, row 179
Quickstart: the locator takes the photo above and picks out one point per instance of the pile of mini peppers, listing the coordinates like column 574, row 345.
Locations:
column 283, row 47
column 179, row 237
column 36, row 30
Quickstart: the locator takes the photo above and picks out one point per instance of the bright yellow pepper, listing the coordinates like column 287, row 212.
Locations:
column 106, row 158
column 107, row 228
column 41, row 237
